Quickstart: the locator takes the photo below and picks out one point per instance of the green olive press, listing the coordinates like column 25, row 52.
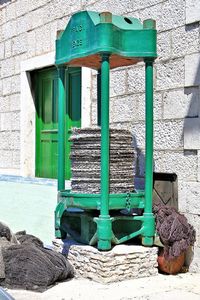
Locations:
column 103, row 41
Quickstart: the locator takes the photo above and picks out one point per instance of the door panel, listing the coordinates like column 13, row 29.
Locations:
column 47, row 118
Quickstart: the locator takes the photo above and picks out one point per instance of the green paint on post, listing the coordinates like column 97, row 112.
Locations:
column 104, row 228
column 149, row 137
column 149, row 220
column 61, row 128
column 99, row 98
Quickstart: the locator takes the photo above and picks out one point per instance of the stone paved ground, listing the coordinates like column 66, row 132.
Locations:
column 161, row 287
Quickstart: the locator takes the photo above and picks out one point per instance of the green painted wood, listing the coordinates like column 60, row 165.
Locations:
column 46, row 93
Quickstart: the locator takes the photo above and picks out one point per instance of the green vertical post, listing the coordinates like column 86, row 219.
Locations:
column 149, row 220
column 105, row 73
column 149, row 137
column 61, row 128
column 104, row 225
column 99, row 98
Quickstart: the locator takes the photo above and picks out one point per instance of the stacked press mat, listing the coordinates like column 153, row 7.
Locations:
column 86, row 160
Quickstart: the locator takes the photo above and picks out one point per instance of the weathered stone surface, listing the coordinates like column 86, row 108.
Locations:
column 124, row 108
column 132, row 108
column 167, row 135
column 7, row 67
column 10, row 121
column 184, row 164
column 136, row 79
column 7, row 158
column 9, row 29
column 19, row 44
column 117, row 83
column 8, row 48
column 191, row 133
column 2, row 51
column 173, row 14
column 164, row 45
column 181, row 103
column 170, row 74
column 10, row 12
column 185, row 40
column 189, row 193
column 192, row 11
column 120, row 263
column 192, row 69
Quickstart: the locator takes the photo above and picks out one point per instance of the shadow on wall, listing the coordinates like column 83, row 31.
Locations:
column 4, row 1
column 139, row 166
column 192, row 117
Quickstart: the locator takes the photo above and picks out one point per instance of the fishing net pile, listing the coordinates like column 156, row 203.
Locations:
column 86, row 160
column 175, row 233
column 26, row 264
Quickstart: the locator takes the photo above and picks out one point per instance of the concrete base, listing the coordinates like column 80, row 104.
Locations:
column 120, row 263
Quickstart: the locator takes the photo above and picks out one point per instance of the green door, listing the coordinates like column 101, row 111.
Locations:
column 46, row 95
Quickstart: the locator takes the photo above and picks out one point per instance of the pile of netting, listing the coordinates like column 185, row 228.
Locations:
column 26, row 264
column 175, row 233
column 86, row 160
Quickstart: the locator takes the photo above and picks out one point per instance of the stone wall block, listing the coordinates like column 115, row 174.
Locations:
column 6, row 86
column 102, row 5
column 123, row 109
column 36, row 17
column 10, row 12
column 183, row 163
column 8, row 48
column 136, row 79
column 189, row 194
column 31, row 44
column 23, row 24
column 35, row 4
column 9, row 29
column 5, row 140
column 194, row 220
column 19, row 44
column 170, row 75
column 94, row 112
column 173, row 14
column 192, row 69
column 43, row 39
column 116, row 265
column 4, row 104
column 7, row 158
column 117, row 83
column 22, row 7
column 16, row 159
column 10, row 121
column 164, row 45
column 2, row 47
column 191, row 133
column 186, row 102
column 7, row 67
column 185, row 40
column 168, row 135
column 192, row 11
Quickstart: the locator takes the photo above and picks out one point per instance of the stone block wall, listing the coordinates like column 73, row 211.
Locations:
column 28, row 29
column 120, row 263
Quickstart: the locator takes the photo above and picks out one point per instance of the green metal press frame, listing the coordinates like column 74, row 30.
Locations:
column 106, row 202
